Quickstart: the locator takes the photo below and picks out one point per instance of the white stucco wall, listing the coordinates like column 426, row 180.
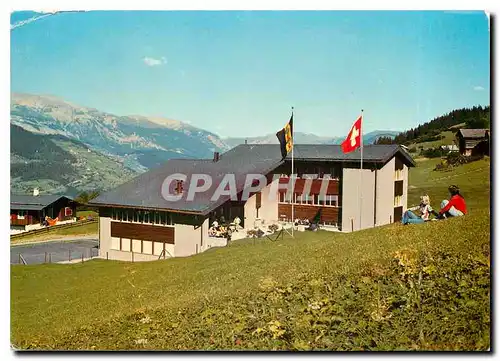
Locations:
column 268, row 211
column 357, row 191
column 187, row 240
column 405, row 188
column 108, row 243
column 385, row 193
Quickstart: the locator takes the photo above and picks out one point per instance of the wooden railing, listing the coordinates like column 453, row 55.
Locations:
column 51, row 228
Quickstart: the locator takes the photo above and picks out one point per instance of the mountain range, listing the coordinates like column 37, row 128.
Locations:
column 309, row 138
column 65, row 148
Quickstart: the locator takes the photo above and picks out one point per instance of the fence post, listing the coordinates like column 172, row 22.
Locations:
column 19, row 258
column 352, row 225
column 50, row 257
column 69, row 255
column 45, row 257
column 132, row 256
column 82, row 256
column 107, row 258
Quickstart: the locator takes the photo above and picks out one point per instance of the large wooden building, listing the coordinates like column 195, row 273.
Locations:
column 136, row 217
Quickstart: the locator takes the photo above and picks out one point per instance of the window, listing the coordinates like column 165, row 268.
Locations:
column 179, row 187
column 328, row 200
column 398, row 188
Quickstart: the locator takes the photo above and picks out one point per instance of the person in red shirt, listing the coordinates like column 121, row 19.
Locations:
column 455, row 207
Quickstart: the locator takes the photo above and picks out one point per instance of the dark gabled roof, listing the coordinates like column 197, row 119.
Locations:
column 33, row 203
column 371, row 153
column 144, row 191
column 473, row 133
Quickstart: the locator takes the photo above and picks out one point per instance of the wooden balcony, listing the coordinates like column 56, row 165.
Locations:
column 302, row 211
column 22, row 222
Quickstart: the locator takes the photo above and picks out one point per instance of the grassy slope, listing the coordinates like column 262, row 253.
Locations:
column 319, row 290
column 449, row 137
column 86, row 214
column 84, row 229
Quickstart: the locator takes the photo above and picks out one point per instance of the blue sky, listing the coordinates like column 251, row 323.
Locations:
column 238, row 73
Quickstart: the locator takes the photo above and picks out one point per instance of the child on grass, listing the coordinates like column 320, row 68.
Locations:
column 425, row 212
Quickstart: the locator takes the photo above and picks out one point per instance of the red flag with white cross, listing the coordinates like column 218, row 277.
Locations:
column 353, row 140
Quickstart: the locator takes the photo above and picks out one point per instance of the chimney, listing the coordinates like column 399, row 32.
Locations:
column 216, row 156
column 36, row 192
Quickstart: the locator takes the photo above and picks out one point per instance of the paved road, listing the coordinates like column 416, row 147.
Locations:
column 59, row 251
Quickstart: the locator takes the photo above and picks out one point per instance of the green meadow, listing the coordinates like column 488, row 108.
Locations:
column 415, row 287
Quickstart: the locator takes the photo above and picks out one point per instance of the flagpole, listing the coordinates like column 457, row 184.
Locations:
column 361, row 173
column 293, row 179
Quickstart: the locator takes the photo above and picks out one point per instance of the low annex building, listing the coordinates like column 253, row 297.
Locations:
column 138, row 217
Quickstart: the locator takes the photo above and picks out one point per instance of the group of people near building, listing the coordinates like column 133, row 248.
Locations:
column 454, row 207
column 222, row 229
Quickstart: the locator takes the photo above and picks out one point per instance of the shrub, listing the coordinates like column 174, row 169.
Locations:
column 432, row 152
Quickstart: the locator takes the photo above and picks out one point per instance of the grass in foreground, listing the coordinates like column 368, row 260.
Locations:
column 396, row 287
column 82, row 230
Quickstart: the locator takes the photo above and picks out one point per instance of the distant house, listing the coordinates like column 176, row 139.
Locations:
column 450, row 148
column 137, row 222
column 473, row 141
column 28, row 211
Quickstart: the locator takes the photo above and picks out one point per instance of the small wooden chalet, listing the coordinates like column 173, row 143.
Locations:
column 26, row 210
column 473, row 141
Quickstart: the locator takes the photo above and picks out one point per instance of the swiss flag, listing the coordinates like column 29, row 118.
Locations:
column 353, row 140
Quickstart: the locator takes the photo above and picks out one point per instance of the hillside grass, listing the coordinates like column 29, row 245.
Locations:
column 418, row 287
column 55, row 233
column 449, row 139
column 85, row 214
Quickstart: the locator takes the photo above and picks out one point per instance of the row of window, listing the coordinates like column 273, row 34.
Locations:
column 138, row 246
column 328, row 200
column 141, row 216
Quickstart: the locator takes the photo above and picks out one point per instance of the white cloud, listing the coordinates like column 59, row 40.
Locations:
column 478, row 88
column 154, row 62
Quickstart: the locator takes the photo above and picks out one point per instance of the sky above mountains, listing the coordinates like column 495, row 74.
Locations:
column 239, row 73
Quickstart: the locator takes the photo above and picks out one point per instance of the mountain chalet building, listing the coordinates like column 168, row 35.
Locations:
column 137, row 223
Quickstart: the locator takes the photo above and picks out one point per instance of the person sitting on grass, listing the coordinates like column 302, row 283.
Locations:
column 455, row 207
column 425, row 212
